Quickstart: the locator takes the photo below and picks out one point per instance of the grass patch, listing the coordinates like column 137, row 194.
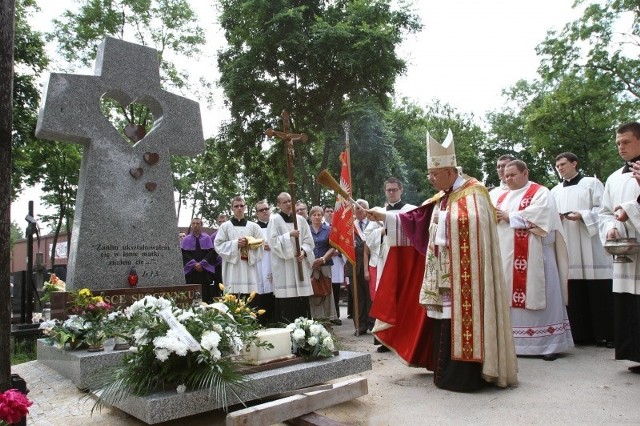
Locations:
column 23, row 350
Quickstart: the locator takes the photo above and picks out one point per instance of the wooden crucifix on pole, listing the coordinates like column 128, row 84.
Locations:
column 289, row 139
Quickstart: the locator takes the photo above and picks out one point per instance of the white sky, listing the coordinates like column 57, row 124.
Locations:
column 467, row 53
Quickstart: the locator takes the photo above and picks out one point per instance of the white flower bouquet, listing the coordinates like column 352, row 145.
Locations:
column 310, row 339
column 181, row 349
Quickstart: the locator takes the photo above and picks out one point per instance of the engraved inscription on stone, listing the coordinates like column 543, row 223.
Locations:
column 146, row 258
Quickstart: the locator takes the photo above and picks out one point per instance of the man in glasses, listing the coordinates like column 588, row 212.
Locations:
column 301, row 210
column 376, row 235
column 444, row 304
column 238, row 243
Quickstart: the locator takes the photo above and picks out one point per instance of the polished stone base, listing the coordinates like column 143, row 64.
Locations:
column 78, row 365
column 169, row 405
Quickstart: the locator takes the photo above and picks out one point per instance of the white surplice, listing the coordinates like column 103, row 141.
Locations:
column 265, row 281
column 286, row 282
column 375, row 239
column 622, row 190
column 238, row 275
column 587, row 258
column 543, row 327
column 496, row 192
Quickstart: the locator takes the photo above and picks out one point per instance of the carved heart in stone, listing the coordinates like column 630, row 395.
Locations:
column 151, row 186
column 135, row 132
column 123, row 112
column 136, row 172
column 151, row 158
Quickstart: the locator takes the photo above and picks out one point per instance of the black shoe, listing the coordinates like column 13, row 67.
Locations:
column 382, row 349
column 610, row 344
column 550, row 357
column 336, row 321
column 361, row 332
column 635, row 369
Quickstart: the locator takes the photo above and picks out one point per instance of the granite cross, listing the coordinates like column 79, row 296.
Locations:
column 125, row 214
column 289, row 139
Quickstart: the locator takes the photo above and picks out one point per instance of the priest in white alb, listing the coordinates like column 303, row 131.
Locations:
column 534, row 254
column 239, row 243
column 620, row 217
column 579, row 200
column 290, row 291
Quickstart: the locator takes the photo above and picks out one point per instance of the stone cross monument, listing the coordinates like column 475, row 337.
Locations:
column 125, row 214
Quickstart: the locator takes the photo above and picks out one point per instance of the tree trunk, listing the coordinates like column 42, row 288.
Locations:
column 7, row 16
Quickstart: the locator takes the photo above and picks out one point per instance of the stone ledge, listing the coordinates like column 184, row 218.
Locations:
column 169, row 405
column 78, row 365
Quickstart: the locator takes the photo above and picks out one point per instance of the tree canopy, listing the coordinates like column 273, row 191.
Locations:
column 30, row 60
column 321, row 61
column 587, row 87
column 333, row 62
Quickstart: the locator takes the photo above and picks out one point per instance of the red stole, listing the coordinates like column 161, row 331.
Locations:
column 520, row 251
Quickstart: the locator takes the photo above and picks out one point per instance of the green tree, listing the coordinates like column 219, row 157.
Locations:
column 579, row 115
column 320, row 61
column 169, row 26
column 56, row 165
column 30, row 60
column 508, row 134
column 604, row 40
column 587, row 85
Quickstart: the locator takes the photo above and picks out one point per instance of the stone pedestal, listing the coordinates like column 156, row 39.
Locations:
column 169, row 405
column 78, row 365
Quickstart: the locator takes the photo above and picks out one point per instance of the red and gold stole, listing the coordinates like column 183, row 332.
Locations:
column 466, row 272
column 520, row 251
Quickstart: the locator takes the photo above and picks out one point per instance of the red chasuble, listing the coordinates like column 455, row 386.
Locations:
column 396, row 301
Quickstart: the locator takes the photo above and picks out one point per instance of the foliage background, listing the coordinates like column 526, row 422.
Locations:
column 330, row 62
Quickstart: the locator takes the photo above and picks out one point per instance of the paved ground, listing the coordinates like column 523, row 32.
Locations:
column 585, row 386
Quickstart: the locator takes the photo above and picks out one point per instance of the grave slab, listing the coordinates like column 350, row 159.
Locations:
column 169, row 405
column 78, row 365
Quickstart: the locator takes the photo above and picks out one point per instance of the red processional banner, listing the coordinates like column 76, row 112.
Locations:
column 341, row 236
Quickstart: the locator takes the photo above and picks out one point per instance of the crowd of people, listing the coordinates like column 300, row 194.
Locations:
column 519, row 271
column 462, row 284
column 265, row 257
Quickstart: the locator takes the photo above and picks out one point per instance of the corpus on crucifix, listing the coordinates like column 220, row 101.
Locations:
column 289, row 139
